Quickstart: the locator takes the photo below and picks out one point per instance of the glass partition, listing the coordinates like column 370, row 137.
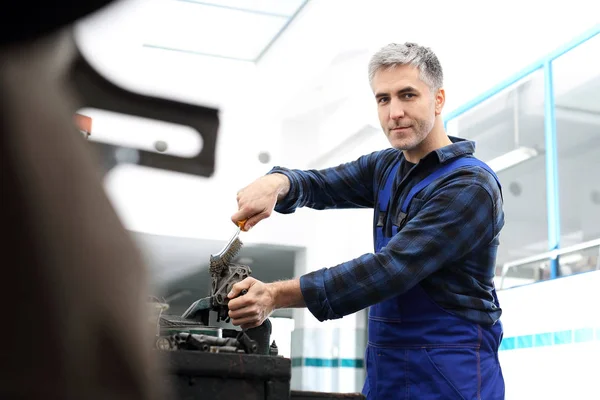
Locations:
column 583, row 257
column 540, row 131
column 524, row 272
column 584, row 260
column 577, row 110
column 508, row 129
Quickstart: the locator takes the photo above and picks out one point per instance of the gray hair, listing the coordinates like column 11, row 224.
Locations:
column 420, row 57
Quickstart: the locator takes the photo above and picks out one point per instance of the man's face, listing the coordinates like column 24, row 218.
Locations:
column 407, row 108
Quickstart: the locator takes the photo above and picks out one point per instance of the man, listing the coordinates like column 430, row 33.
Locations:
column 434, row 327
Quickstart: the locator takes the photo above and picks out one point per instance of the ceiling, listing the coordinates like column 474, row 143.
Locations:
column 185, row 24
column 310, row 53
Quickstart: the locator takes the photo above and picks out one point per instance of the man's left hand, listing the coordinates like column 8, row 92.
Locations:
column 253, row 308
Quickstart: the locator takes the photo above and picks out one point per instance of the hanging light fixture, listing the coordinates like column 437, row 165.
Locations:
column 520, row 153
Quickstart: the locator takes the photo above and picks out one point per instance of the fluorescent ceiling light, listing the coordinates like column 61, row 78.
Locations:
column 282, row 8
column 512, row 158
column 230, row 29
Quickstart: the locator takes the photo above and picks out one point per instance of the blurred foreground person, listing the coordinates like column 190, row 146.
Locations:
column 74, row 291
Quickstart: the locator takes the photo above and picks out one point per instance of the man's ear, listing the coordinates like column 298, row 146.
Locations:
column 440, row 100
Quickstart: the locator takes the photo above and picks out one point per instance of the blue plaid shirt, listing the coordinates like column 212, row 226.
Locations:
column 448, row 244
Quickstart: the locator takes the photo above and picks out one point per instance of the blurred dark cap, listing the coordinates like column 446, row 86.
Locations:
column 32, row 19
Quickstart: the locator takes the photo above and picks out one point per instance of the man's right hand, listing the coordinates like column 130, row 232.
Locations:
column 257, row 200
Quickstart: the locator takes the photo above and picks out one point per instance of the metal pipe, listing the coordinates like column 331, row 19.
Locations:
column 552, row 191
column 553, row 255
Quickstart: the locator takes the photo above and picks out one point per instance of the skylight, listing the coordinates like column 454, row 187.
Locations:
column 232, row 29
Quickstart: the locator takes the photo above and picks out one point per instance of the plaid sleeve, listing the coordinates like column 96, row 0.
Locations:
column 292, row 201
column 456, row 219
column 348, row 185
column 315, row 295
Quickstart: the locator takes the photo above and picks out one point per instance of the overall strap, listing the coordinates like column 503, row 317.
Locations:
column 441, row 171
column 383, row 199
column 385, row 194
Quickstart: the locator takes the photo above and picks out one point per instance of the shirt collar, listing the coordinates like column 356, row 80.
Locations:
column 459, row 147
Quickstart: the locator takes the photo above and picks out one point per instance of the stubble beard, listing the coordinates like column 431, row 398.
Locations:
column 417, row 133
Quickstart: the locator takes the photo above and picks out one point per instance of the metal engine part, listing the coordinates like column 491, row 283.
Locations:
column 240, row 344
column 222, row 283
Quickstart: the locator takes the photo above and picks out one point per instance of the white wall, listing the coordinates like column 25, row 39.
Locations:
column 256, row 100
column 554, row 371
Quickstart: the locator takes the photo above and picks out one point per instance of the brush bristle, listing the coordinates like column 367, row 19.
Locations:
column 218, row 263
column 232, row 251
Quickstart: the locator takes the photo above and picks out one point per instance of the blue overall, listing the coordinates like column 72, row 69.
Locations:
column 416, row 349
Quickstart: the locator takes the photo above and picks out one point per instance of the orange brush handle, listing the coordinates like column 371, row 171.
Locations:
column 242, row 223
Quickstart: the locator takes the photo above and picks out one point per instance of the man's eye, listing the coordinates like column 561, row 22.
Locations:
column 408, row 96
column 382, row 100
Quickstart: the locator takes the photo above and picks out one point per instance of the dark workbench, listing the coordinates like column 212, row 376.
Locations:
column 194, row 375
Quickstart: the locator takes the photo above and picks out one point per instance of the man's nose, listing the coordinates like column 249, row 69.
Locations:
column 396, row 109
